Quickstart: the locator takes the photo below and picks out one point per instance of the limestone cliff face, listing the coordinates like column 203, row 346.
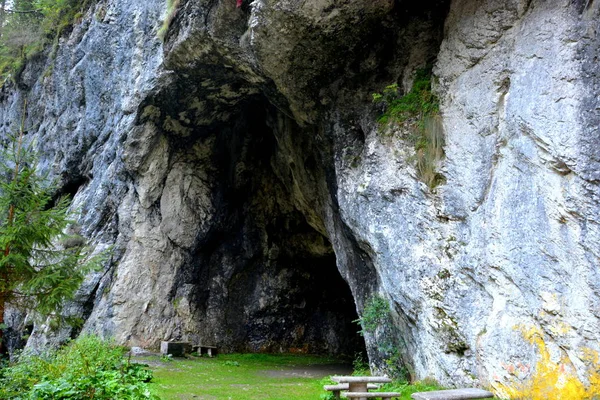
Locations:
column 252, row 200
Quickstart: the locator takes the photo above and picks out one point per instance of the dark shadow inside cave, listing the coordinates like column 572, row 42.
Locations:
column 264, row 279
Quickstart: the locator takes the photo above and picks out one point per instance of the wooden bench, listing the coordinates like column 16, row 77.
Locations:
column 372, row 395
column 336, row 389
column 454, row 394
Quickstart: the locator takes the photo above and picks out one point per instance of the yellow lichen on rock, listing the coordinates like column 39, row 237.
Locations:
column 552, row 380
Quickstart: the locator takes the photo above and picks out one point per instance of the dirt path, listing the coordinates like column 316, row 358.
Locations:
column 309, row 371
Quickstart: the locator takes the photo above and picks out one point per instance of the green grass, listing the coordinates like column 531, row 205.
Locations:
column 237, row 376
column 407, row 389
column 250, row 377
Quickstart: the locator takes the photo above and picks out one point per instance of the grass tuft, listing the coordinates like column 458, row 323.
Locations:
column 419, row 110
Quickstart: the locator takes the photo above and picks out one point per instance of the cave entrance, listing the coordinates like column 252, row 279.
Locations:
column 273, row 283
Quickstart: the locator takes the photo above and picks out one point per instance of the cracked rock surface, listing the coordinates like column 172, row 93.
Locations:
column 252, row 200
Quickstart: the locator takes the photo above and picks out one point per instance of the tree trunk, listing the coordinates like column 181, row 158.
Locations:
column 3, row 349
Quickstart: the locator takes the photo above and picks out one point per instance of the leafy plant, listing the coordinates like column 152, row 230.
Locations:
column 374, row 314
column 87, row 368
column 376, row 319
column 166, row 358
column 419, row 109
column 360, row 366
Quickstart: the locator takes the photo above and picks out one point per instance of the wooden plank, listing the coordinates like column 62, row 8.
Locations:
column 454, row 394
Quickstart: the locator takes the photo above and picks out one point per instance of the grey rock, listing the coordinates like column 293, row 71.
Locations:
column 252, row 201
column 138, row 351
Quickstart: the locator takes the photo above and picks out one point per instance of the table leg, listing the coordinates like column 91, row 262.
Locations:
column 358, row 387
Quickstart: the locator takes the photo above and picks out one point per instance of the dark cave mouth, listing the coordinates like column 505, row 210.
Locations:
column 285, row 293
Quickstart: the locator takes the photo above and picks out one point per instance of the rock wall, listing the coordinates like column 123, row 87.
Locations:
column 233, row 167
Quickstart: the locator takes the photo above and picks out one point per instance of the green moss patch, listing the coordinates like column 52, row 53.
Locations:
column 419, row 111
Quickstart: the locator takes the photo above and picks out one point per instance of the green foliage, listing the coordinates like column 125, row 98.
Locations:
column 418, row 102
column 376, row 319
column 231, row 363
column 395, row 366
column 406, row 389
column 360, row 366
column 36, row 273
column 374, row 314
column 27, row 26
column 172, row 7
column 327, row 395
column 166, row 358
column 87, row 368
column 419, row 109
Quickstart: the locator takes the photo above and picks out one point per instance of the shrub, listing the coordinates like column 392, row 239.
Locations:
column 376, row 319
column 374, row 314
column 87, row 368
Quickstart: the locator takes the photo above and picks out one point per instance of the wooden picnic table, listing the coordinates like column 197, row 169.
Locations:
column 360, row 383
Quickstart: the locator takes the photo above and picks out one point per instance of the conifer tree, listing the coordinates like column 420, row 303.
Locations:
column 39, row 267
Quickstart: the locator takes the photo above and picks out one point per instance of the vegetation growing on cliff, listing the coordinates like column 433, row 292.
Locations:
column 87, row 368
column 36, row 272
column 375, row 320
column 28, row 26
column 172, row 7
column 419, row 110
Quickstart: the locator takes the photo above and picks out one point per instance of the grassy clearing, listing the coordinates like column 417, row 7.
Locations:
column 239, row 377
column 252, row 377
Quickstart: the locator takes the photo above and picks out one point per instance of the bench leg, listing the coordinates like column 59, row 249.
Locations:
column 209, row 352
column 336, row 394
column 358, row 387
